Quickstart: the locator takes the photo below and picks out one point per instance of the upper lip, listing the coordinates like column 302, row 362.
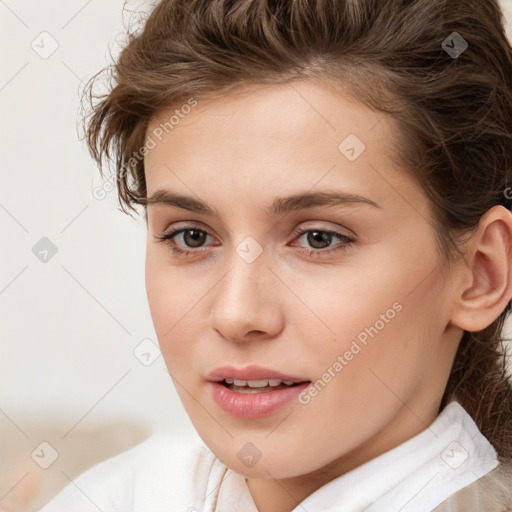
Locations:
column 251, row 372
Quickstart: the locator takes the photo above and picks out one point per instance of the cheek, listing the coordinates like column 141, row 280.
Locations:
column 353, row 304
column 166, row 297
column 178, row 303
column 159, row 291
column 171, row 291
column 374, row 366
column 387, row 320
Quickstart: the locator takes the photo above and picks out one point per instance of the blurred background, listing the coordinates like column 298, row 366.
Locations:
column 81, row 376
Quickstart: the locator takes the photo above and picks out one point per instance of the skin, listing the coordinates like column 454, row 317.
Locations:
column 295, row 312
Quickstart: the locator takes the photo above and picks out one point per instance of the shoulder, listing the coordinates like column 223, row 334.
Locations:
column 492, row 493
column 161, row 473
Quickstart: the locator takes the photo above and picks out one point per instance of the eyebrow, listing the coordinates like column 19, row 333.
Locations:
column 279, row 206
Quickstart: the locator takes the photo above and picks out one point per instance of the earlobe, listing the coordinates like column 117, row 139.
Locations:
column 487, row 267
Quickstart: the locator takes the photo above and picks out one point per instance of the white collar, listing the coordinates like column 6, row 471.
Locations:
column 415, row 476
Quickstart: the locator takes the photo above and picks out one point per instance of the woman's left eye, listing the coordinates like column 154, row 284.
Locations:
column 193, row 238
column 316, row 237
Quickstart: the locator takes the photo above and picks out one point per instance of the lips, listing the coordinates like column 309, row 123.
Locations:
column 251, row 405
column 254, row 391
column 253, row 374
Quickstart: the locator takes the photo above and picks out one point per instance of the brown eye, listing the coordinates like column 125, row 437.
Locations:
column 183, row 241
column 317, row 239
column 319, row 242
column 194, row 237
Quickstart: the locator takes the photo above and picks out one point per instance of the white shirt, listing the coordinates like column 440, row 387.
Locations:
column 169, row 475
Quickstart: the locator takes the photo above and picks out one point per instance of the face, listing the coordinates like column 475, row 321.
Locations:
column 299, row 252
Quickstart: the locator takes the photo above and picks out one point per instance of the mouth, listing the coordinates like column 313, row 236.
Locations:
column 253, row 379
column 254, row 391
column 258, row 386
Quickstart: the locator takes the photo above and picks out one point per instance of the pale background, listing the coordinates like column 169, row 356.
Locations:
column 69, row 327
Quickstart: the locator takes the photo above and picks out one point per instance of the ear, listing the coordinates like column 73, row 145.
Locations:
column 484, row 276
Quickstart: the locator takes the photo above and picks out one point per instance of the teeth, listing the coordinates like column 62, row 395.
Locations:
column 258, row 383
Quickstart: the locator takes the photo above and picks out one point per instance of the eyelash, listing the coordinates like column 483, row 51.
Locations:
column 346, row 241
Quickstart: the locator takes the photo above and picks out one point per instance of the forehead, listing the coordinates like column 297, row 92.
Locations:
column 261, row 139
column 296, row 110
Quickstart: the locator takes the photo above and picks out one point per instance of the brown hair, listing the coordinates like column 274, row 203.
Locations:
column 454, row 113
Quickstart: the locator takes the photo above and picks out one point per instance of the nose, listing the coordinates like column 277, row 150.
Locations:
column 247, row 303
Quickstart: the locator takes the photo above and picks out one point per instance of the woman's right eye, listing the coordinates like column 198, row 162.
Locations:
column 191, row 237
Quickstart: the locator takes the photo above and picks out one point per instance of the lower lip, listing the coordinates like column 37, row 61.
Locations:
column 254, row 405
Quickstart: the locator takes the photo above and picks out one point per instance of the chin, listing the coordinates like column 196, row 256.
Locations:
column 278, row 465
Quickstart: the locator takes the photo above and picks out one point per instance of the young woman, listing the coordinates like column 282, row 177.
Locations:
column 326, row 186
